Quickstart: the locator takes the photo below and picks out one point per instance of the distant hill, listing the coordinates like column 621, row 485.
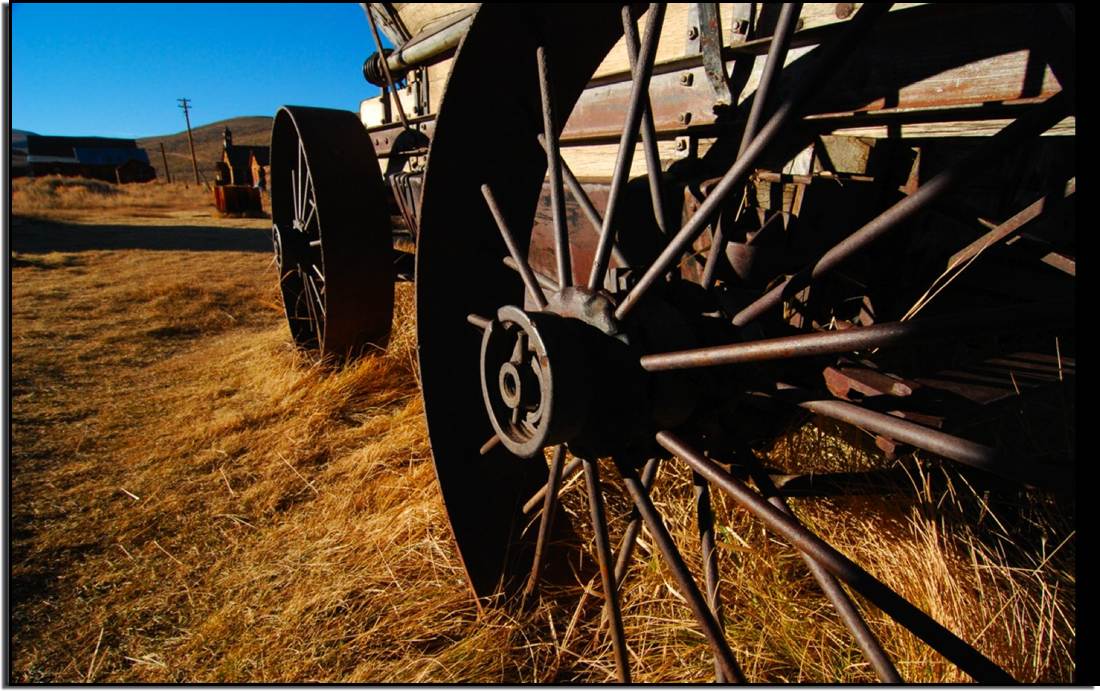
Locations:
column 252, row 129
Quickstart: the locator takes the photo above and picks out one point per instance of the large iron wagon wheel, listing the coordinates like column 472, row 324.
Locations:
column 518, row 359
column 331, row 232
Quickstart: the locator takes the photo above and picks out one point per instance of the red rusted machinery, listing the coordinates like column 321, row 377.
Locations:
column 646, row 244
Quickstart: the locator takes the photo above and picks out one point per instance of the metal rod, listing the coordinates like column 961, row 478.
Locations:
column 546, row 522
column 1014, row 224
column 940, row 443
column 649, row 132
column 638, row 90
column 849, row 613
column 421, row 52
column 711, row 629
column 553, row 170
column 861, row 338
column 522, row 267
column 831, row 54
column 479, row 321
column 630, row 536
column 585, row 202
column 1033, row 123
column 538, row 497
column 777, row 55
column 386, row 69
column 705, row 517
column 901, row 610
column 489, row 445
column 603, row 552
column 545, row 281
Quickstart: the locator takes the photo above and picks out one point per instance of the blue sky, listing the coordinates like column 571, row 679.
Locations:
column 116, row 70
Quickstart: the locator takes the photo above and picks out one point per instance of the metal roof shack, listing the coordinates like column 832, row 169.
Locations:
column 101, row 158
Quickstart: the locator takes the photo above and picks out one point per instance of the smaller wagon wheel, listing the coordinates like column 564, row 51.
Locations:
column 331, row 232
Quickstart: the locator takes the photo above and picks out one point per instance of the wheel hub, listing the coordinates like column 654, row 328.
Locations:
column 568, row 373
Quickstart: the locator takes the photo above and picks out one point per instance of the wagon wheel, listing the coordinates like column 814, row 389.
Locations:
column 331, row 232
column 566, row 358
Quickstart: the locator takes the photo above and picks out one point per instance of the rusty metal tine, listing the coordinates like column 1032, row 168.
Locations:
column 777, row 55
column 675, row 561
column 832, row 53
column 546, row 523
column 603, row 552
column 901, row 610
column 1033, row 123
column 849, row 614
column 705, row 517
column 649, row 132
column 553, row 170
column 639, row 88
column 522, row 267
column 861, row 338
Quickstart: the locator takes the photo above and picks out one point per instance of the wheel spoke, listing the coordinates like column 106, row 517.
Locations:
column 639, row 90
column 585, row 202
column 649, row 132
column 630, row 536
column 603, row 552
column 777, row 55
column 553, row 170
column 675, row 562
column 901, row 610
column 522, row 266
column 538, row 497
column 863, row 338
column 831, row 54
column 705, row 518
column 546, row 522
column 849, row 614
column 1032, row 124
column 545, row 281
column 479, row 321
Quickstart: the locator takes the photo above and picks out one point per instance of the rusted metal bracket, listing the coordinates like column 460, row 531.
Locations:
column 710, row 45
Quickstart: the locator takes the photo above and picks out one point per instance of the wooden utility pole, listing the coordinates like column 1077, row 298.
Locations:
column 185, row 103
column 164, row 157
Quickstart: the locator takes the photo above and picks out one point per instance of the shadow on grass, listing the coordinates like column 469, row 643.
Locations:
column 34, row 236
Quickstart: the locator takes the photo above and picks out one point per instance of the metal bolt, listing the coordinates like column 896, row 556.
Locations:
column 687, row 79
column 693, row 33
column 844, row 9
column 681, row 144
column 740, row 26
column 685, row 118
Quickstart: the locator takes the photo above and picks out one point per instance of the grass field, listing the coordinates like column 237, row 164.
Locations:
column 194, row 500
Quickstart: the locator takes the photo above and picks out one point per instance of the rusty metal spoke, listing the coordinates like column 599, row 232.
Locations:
column 777, row 55
column 638, row 91
column 649, row 132
column 849, row 614
column 901, row 610
column 522, row 266
column 831, row 54
column 553, row 170
column 545, row 281
column 705, row 521
column 630, row 535
column 546, row 523
column 603, row 552
column 675, row 561
column 863, row 338
column 479, row 321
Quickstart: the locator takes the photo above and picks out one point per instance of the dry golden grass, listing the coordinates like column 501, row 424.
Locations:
column 192, row 500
